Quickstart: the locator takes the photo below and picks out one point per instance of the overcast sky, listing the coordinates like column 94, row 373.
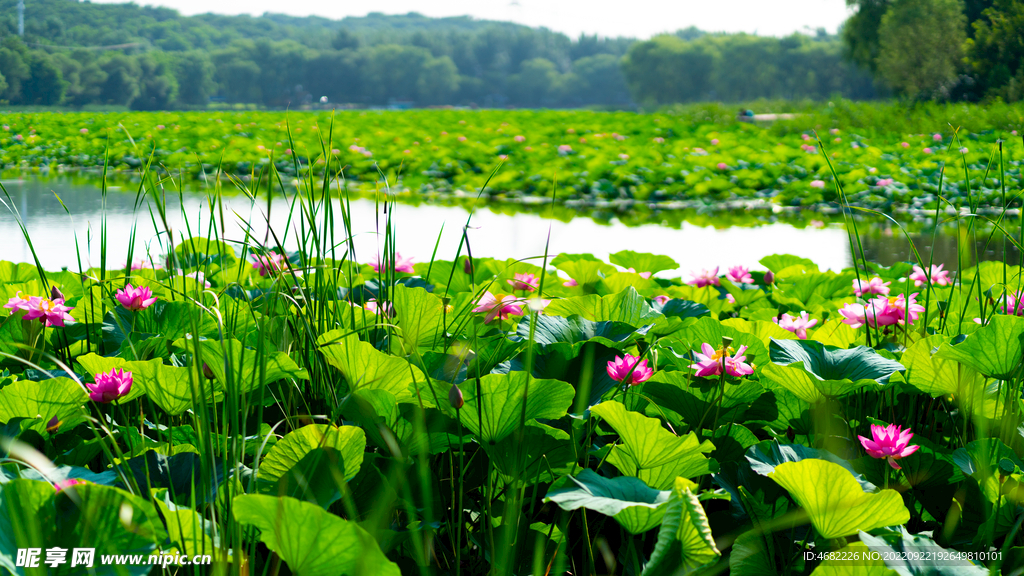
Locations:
column 637, row 18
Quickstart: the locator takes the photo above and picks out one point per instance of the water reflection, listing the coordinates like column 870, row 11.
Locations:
column 521, row 235
column 887, row 246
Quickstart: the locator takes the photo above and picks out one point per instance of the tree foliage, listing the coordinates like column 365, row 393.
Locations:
column 920, row 45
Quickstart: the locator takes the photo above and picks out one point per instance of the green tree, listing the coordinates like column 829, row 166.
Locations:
column 535, row 84
column 395, row 72
column 14, row 67
column 157, row 86
column 599, row 81
column 921, row 44
column 996, row 53
column 194, row 73
column 337, row 74
column 344, row 39
column 121, row 84
column 667, row 69
column 439, row 80
column 45, row 84
column 860, row 31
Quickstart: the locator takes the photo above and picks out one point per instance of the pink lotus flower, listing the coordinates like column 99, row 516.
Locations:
column 659, row 140
column 834, row 131
column 270, row 263
column 739, row 275
column 891, row 442
column 564, row 149
column 572, row 282
column 705, row 278
column 938, row 276
column 817, row 183
column 526, row 282
column 882, row 311
column 83, row 130
column 49, row 312
column 928, row 151
column 402, row 264
column 110, row 386
column 712, row 362
column 937, row 137
column 143, row 264
column 884, row 182
column 384, row 309
column 905, row 144
column 135, row 299
column 806, row 137
column 730, row 298
column 874, row 286
column 796, row 324
column 19, row 302
column 723, row 166
column 964, row 150
column 1013, row 304
column 875, row 313
column 500, row 308
column 520, row 138
column 642, row 274
column 714, row 141
column 908, row 308
column 199, row 277
column 662, row 299
column 629, row 369
column 64, row 484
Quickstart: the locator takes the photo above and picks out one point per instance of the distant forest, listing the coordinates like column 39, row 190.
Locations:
column 78, row 53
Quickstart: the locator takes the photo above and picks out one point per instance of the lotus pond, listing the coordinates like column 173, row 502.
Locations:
column 695, row 158
column 298, row 410
column 303, row 379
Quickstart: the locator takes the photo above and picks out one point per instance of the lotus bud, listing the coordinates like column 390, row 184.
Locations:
column 56, row 294
column 53, row 425
column 455, row 397
column 467, row 267
column 769, row 278
column 207, row 372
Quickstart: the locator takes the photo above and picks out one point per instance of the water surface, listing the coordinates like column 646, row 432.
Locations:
column 54, row 231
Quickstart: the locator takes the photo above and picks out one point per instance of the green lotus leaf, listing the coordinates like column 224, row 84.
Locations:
column 646, row 450
column 239, row 370
column 494, row 403
column 38, row 402
column 643, row 261
column 634, row 505
column 420, row 316
column 110, row 520
column 697, row 398
column 837, row 505
column 627, row 306
column 993, row 350
column 574, row 330
column 830, row 363
column 685, row 542
column 366, row 368
column 349, row 442
column 312, row 541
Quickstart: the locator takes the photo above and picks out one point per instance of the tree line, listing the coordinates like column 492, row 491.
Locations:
column 78, row 53
column 941, row 49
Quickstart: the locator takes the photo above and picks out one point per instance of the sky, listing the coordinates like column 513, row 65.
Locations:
column 634, row 18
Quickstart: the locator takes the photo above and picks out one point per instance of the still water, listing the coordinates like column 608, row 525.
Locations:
column 54, row 232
